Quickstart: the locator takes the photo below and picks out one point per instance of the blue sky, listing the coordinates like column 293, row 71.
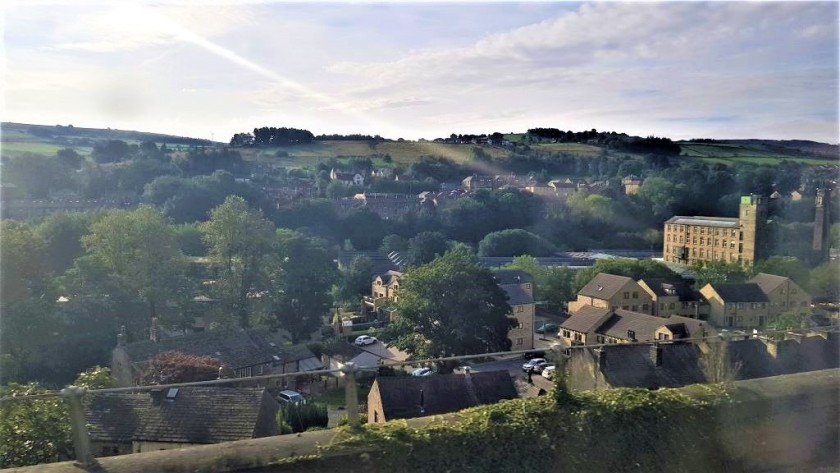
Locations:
column 411, row 70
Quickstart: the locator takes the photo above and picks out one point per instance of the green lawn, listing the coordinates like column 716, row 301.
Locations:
column 16, row 148
column 740, row 154
column 573, row 148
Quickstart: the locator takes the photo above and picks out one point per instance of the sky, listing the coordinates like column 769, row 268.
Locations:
column 425, row 70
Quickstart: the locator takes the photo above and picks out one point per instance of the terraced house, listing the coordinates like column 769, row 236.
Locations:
column 610, row 291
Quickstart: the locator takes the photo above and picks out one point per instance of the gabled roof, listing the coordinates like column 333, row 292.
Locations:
column 741, row 292
column 586, row 319
column 643, row 326
column 664, row 287
column 237, row 348
column 194, row 415
column 517, row 296
column 768, row 282
column 511, row 276
column 725, row 222
column 401, row 395
column 604, row 286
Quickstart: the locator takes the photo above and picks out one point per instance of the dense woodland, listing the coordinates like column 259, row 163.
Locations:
column 205, row 216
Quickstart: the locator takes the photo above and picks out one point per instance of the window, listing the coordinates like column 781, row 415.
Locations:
column 671, row 306
column 702, row 241
column 520, row 308
column 624, row 307
column 645, row 307
column 519, row 341
column 627, row 295
column 634, row 308
column 566, row 334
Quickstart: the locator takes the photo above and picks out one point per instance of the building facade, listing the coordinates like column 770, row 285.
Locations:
column 610, row 291
column 519, row 288
column 689, row 240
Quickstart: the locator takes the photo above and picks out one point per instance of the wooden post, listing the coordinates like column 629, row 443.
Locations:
column 351, row 395
column 81, row 439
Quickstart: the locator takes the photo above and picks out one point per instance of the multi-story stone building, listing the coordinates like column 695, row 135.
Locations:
column 610, row 291
column 675, row 298
column 784, row 295
column 688, row 240
column 742, row 305
column 519, row 288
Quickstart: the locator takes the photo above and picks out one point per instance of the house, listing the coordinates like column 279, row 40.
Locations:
column 612, row 292
column 675, row 298
column 644, row 366
column 405, row 397
column 783, row 295
column 519, row 288
column 384, row 296
column 563, row 188
column 631, row 184
column 125, row 422
column 474, row 182
column 688, row 240
column 540, row 189
column 347, row 178
column 742, row 305
column 248, row 352
column 599, row 325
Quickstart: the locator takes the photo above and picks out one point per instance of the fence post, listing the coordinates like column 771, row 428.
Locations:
column 351, row 395
column 81, row 440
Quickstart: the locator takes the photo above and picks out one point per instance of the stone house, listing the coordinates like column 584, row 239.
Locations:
column 124, row 422
column 675, row 298
column 248, row 352
column 405, row 397
column 347, row 178
column 631, row 184
column 610, row 291
column 519, row 288
column 741, row 305
column 784, row 295
column 599, row 325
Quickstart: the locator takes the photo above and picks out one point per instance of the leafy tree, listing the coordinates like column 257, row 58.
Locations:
column 787, row 266
column 175, row 367
column 239, row 238
column 301, row 417
column 514, row 242
column 393, row 242
column 302, row 279
column 717, row 272
column 110, row 151
column 825, row 282
column 661, row 195
column 353, row 283
column 425, row 247
column 69, row 158
column 62, row 236
column 451, row 306
column 139, row 252
column 190, row 239
column 21, row 262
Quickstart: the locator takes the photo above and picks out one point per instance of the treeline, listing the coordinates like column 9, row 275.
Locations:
column 271, row 136
column 611, row 140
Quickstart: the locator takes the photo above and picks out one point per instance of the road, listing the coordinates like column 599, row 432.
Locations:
column 514, row 366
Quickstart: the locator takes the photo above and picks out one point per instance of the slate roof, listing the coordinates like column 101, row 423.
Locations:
column 237, row 348
column 401, row 395
column 724, row 222
column 662, row 287
column 768, row 282
column 506, row 277
column 604, row 286
column 633, row 365
column 644, row 325
column 740, row 292
column 195, row 415
column 517, row 296
column 586, row 319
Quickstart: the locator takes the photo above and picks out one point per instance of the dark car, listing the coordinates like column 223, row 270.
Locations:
column 549, row 327
column 533, row 354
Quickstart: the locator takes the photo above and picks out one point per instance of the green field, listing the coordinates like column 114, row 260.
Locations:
column 571, row 148
column 17, row 148
column 747, row 154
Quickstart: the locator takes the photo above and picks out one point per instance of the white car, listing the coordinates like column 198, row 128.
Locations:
column 291, row 397
column 548, row 372
column 423, row 372
column 363, row 340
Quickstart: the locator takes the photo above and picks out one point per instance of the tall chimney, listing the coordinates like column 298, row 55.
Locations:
column 153, row 330
column 121, row 337
column 656, row 354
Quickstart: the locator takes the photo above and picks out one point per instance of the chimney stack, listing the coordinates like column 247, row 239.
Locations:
column 656, row 354
column 121, row 337
column 156, row 396
column 631, row 335
column 153, row 330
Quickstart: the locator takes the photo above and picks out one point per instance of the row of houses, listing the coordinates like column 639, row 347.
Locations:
column 752, row 304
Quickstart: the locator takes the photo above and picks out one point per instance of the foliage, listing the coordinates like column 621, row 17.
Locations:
column 718, row 272
column 787, row 266
column 451, row 306
column 552, row 285
column 825, row 282
column 425, row 247
column 238, row 237
column 302, row 417
column 514, row 242
column 175, row 367
column 62, row 236
column 353, row 283
column 22, row 264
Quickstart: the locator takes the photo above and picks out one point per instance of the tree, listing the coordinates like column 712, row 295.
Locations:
column 62, row 236
column 69, row 158
column 451, row 306
column 353, row 283
column 393, row 242
column 718, row 272
column 38, row 431
column 176, row 367
column 825, row 282
column 514, row 242
column 139, row 252
column 301, row 282
column 425, row 247
column 21, row 262
column 787, row 266
column 239, row 238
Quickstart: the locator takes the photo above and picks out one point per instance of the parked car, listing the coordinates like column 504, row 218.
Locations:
column 531, row 365
column 423, row 372
column 534, row 354
column 548, row 372
column 363, row 340
column 290, row 397
column 548, row 327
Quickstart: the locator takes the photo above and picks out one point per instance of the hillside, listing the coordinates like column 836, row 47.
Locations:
column 768, row 152
column 20, row 138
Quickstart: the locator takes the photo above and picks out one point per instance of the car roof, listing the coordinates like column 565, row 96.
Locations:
column 289, row 392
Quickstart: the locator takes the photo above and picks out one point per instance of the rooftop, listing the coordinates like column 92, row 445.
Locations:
column 604, row 286
column 740, row 292
column 725, row 222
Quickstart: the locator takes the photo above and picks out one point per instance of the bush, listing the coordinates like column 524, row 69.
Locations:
column 301, row 417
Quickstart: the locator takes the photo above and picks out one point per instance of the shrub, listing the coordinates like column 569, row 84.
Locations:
column 301, row 417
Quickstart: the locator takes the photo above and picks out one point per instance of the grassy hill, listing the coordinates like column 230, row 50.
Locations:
column 21, row 138
column 766, row 152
